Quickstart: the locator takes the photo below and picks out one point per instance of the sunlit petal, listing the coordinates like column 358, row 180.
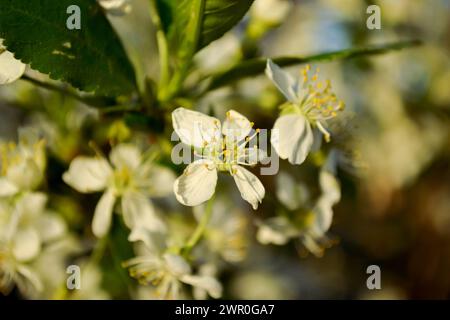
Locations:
column 236, row 127
column 283, row 81
column 249, row 185
column 195, row 128
column 197, row 184
column 292, row 138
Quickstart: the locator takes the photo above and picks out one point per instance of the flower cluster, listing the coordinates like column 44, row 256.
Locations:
column 131, row 182
column 26, row 224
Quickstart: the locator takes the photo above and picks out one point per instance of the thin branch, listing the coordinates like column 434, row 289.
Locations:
column 89, row 100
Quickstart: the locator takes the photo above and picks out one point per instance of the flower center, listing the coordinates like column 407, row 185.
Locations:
column 123, row 179
column 319, row 102
column 227, row 151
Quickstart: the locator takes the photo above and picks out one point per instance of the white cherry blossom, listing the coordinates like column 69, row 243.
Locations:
column 310, row 104
column 220, row 148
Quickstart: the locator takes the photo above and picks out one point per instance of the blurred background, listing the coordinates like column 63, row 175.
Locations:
column 395, row 209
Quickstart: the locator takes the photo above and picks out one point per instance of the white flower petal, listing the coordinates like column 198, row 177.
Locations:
column 30, row 277
column 31, row 205
column 156, row 180
column 207, row 283
column 311, row 243
column 252, row 156
column 292, row 138
column 283, row 81
column 323, row 217
column 26, row 174
column 126, row 156
column 195, row 128
column 197, row 184
column 88, row 174
column 138, row 211
column 26, row 244
column 7, row 188
column 50, row 227
column 154, row 241
column 291, row 193
column 236, row 126
column 11, row 69
column 276, row 231
column 330, row 187
column 176, row 264
column 150, row 262
column 249, row 185
column 103, row 214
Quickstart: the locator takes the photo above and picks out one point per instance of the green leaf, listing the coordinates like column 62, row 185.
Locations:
column 197, row 23
column 191, row 25
column 256, row 67
column 91, row 59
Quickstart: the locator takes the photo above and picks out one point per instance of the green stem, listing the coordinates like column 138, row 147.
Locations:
column 200, row 230
column 89, row 100
column 99, row 250
column 194, row 32
column 163, row 46
column 255, row 67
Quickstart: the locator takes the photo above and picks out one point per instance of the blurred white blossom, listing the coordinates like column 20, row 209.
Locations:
column 22, row 165
column 292, row 194
column 227, row 230
column 311, row 229
column 91, row 285
column 168, row 271
column 11, row 69
column 271, row 12
column 130, row 177
column 26, row 226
